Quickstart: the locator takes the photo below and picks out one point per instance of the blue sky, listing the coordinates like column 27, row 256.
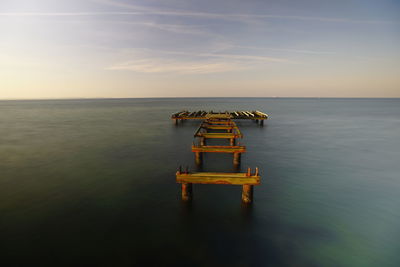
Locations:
column 120, row 48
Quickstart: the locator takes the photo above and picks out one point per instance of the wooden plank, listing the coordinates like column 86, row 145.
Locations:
column 238, row 132
column 250, row 113
column 226, row 115
column 219, row 122
column 219, row 149
column 218, row 116
column 197, row 131
column 219, row 135
column 217, row 178
column 261, row 114
column 178, row 114
column 192, row 118
column 217, row 127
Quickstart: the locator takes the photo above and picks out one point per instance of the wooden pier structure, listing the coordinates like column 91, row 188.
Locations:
column 218, row 125
column 247, row 180
column 255, row 115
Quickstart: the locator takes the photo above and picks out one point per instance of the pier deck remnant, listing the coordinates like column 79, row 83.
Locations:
column 218, row 125
column 247, row 180
column 255, row 115
column 235, row 150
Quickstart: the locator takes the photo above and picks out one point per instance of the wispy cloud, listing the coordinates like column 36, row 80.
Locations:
column 183, row 13
column 179, row 67
column 121, row 5
column 159, row 61
column 248, row 57
column 301, row 51
column 227, row 16
column 61, row 14
column 174, row 28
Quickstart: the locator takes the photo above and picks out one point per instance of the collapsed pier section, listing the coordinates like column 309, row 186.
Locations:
column 247, row 180
column 255, row 115
column 219, row 126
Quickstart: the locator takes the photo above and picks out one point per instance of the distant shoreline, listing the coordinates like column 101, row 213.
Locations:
column 238, row 97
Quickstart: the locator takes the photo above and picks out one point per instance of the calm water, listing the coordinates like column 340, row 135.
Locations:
column 93, row 182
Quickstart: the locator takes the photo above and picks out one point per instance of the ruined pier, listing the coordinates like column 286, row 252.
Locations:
column 218, row 125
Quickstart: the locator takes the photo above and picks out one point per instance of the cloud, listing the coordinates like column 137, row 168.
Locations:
column 158, row 61
column 120, row 5
column 174, row 28
column 142, row 10
column 61, row 14
column 248, row 57
column 301, row 51
column 227, row 56
column 168, row 66
column 238, row 17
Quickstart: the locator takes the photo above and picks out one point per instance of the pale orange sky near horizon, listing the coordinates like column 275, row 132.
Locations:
column 117, row 48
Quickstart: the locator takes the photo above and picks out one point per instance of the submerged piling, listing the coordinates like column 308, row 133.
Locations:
column 247, row 193
column 218, row 126
column 236, row 158
column 199, row 157
column 186, row 191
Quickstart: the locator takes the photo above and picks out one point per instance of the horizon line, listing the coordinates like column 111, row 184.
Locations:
column 189, row 97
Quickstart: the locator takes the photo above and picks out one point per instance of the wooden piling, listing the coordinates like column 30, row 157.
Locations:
column 216, row 126
column 232, row 141
column 247, row 193
column 203, row 141
column 203, row 115
column 236, row 158
column 186, row 191
column 217, row 178
column 199, row 157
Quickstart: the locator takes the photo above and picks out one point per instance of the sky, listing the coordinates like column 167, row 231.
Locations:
column 204, row 48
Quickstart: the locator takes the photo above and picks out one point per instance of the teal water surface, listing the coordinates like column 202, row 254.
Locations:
column 92, row 182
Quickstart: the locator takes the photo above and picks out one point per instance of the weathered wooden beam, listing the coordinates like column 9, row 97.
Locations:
column 197, row 131
column 238, row 132
column 177, row 114
column 219, row 135
column 219, row 149
column 250, row 113
column 261, row 114
column 219, row 122
column 217, row 178
column 226, row 115
column 218, row 116
column 217, row 127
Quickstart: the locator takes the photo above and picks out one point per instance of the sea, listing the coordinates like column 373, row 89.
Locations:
column 91, row 182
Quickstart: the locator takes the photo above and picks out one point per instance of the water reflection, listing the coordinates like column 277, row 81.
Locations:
column 95, row 178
